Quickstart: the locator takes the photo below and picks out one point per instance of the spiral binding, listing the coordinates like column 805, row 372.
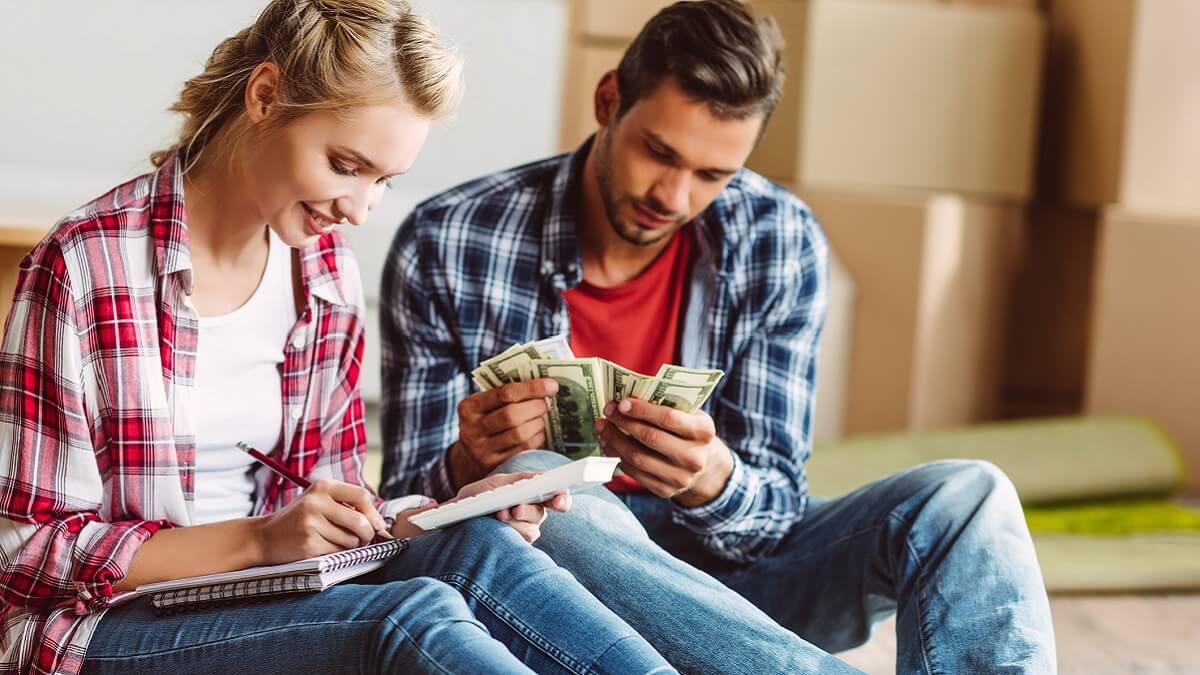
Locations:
column 261, row 589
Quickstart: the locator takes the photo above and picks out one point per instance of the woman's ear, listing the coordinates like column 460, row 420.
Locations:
column 262, row 92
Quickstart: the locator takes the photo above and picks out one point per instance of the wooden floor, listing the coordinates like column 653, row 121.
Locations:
column 1096, row 635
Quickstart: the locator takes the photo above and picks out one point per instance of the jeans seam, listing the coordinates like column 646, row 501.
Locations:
column 466, row 585
column 232, row 638
column 924, row 633
column 429, row 659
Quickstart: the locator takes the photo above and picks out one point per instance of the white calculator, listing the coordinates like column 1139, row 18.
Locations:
column 589, row 470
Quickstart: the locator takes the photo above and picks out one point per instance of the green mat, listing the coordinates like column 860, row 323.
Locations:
column 1096, row 491
column 1051, row 460
column 1113, row 518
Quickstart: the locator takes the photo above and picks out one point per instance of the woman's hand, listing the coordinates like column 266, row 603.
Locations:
column 524, row 518
column 330, row 516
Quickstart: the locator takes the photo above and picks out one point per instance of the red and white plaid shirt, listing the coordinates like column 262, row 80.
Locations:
column 97, row 446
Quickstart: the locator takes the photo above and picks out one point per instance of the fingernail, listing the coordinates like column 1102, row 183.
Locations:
column 503, row 515
column 608, row 409
column 598, row 426
column 625, row 405
column 551, row 388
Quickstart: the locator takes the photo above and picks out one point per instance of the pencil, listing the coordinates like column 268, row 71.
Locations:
column 294, row 478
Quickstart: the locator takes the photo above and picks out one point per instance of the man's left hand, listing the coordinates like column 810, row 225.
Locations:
column 673, row 454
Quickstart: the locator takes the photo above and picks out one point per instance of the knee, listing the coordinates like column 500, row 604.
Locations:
column 532, row 460
column 967, row 488
column 422, row 604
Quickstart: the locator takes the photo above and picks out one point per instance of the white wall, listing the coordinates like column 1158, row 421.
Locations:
column 84, row 88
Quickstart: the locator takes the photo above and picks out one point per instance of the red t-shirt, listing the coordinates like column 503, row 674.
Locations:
column 637, row 323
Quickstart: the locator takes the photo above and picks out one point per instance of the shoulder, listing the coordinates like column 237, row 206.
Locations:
column 509, row 199
column 98, row 243
column 767, row 222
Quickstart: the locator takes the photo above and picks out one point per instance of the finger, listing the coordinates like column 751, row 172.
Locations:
column 648, row 435
column 351, row 520
column 529, row 513
column 694, row 426
column 528, row 531
column 515, row 392
column 338, row 536
column 652, row 483
column 560, row 502
column 636, row 457
column 358, row 498
column 514, row 415
column 515, row 436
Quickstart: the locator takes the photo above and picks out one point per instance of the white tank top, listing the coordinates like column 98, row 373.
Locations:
column 238, row 394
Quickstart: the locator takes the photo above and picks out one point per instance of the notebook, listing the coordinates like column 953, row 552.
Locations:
column 302, row 576
column 589, row 470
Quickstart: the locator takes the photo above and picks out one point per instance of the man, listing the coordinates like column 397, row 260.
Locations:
column 651, row 244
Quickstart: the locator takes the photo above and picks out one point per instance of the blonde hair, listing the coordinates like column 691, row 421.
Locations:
column 331, row 55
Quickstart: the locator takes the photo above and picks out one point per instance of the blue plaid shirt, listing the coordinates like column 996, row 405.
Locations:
column 485, row 265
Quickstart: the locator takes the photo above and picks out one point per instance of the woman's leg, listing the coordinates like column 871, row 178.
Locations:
column 533, row 606
column 413, row 626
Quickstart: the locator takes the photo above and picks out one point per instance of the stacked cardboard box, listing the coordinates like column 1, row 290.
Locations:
column 909, row 128
column 1121, row 138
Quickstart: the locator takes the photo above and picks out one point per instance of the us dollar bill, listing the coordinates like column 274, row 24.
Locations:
column 681, row 388
column 622, row 382
column 577, row 405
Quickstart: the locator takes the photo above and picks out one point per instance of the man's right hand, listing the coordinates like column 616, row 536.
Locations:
column 497, row 424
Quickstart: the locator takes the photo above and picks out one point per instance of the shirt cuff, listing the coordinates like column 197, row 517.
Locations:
column 439, row 478
column 390, row 508
column 727, row 508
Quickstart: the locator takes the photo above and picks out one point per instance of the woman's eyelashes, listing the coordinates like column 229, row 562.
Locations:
column 343, row 170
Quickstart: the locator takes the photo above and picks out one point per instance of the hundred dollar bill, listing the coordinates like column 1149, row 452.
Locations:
column 509, row 366
column 681, row 388
column 622, row 382
column 577, row 405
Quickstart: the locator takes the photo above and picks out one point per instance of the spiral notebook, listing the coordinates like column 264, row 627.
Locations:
column 256, row 583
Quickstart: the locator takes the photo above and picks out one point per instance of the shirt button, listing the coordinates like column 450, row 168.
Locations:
column 547, row 267
column 298, row 341
column 295, row 414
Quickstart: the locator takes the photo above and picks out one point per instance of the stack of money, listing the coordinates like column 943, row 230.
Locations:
column 586, row 386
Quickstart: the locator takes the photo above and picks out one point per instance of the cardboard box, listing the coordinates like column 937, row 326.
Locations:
column 615, row 20
column 934, row 96
column 586, row 65
column 932, row 275
column 1145, row 351
column 1121, row 119
column 1048, row 329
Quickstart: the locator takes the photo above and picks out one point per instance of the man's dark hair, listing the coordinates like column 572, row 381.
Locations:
column 716, row 50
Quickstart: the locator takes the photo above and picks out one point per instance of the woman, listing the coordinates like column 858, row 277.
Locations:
column 211, row 302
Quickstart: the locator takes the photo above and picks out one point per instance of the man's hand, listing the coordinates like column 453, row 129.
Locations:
column 673, row 454
column 497, row 424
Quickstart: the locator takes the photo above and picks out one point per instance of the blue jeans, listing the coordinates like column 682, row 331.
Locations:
column 944, row 545
column 694, row 620
column 471, row 599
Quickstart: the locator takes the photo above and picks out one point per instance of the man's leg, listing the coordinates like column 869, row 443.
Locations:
column 531, row 605
column 944, row 543
column 691, row 618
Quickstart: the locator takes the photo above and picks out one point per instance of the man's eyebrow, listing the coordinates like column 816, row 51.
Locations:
column 668, row 150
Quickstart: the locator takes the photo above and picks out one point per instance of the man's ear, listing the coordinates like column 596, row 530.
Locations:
column 607, row 99
column 262, row 92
